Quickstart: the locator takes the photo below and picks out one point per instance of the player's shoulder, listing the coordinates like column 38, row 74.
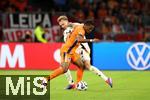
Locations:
column 79, row 27
column 75, row 24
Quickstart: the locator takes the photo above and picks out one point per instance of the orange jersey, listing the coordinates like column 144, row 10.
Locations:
column 71, row 43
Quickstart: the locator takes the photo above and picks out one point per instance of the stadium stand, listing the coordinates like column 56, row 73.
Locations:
column 122, row 20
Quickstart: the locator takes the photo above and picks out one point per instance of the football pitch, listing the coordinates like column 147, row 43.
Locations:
column 127, row 85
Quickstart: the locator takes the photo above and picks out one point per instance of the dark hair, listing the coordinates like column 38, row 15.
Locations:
column 89, row 22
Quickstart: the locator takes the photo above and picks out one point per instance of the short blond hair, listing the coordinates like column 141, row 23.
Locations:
column 63, row 17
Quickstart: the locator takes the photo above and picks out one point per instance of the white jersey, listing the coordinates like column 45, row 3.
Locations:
column 83, row 49
column 69, row 29
column 67, row 32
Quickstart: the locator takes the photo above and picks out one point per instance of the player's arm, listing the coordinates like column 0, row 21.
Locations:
column 80, row 36
column 93, row 40
column 82, row 40
column 88, row 40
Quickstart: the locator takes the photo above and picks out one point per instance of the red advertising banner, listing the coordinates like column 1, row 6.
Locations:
column 30, row 56
column 52, row 34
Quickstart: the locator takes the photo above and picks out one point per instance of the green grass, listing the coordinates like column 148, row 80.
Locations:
column 128, row 85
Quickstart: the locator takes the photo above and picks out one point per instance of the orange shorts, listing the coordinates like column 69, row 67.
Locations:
column 65, row 57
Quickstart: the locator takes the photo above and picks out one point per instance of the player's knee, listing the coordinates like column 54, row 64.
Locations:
column 65, row 67
column 87, row 65
column 80, row 63
column 65, row 70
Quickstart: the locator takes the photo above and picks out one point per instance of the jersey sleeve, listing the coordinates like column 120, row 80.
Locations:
column 67, row 32
column 80, row 31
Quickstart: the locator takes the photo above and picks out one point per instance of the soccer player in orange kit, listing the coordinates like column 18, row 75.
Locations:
column 68, row 50
column 83, row 50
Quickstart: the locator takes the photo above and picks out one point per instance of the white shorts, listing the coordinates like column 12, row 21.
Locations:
column 84, row 54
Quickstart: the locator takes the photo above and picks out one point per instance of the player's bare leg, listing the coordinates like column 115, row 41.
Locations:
column 79, row 74
column 79, row 78
column 80, row 69
column 98, row 72
column 61, row 70
column 57, row 72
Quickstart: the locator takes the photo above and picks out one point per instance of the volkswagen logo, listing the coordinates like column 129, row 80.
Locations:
column 138, row 56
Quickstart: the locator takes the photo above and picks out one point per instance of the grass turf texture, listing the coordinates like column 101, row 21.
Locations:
column 128, row 85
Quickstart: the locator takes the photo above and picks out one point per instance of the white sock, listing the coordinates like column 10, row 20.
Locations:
column 69, row 77
column 98, row 72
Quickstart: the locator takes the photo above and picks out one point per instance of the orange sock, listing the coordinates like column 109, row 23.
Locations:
column 79, row 74
column 56, row 73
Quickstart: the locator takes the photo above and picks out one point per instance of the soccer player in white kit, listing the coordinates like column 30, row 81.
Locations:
column 83, row 50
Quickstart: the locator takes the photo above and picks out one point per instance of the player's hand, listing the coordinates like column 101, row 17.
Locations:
column 96, row 40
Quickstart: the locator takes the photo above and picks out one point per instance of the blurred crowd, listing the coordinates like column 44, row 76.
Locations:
column 111, row 16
